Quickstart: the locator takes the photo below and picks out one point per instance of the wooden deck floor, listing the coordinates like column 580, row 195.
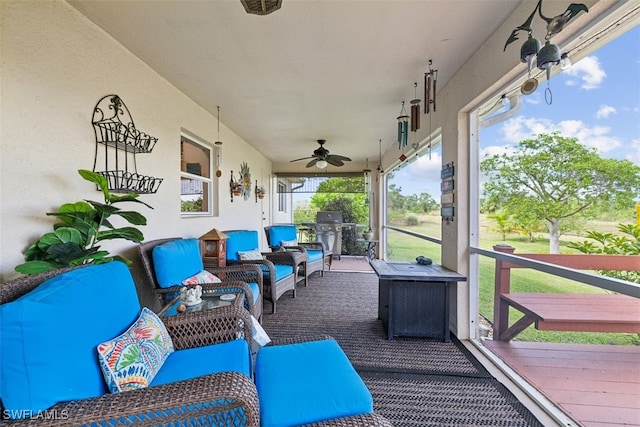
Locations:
column 596, row 385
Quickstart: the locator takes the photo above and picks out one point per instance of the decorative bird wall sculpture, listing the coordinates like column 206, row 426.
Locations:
column 554, row 24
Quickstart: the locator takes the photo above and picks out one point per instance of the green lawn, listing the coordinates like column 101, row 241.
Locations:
column 403, row 247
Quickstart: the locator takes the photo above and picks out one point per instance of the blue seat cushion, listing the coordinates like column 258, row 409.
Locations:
column 240, row 240
column 48, row 337
column 232, row 356
column 175, row 261
column 278, row 233
column 282, row 271
column 308, row 382
column 314, row 255
column 255, row 290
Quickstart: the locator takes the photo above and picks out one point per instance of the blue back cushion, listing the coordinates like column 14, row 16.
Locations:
column 49, row 336
column 175, row 261
column 278, row 233
column 240, row 240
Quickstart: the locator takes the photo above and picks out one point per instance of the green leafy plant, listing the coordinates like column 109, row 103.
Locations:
column 608, row 243
column 83, row 225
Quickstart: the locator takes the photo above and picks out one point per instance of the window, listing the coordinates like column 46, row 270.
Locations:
column 282, row 197
column 195, row 177
column 414, row 196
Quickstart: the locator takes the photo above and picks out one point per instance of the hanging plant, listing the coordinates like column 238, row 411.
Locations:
column 84, row 224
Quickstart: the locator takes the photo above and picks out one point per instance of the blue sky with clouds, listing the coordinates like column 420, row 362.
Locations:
column 597, row 101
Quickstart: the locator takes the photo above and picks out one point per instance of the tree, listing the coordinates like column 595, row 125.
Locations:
column 422, row 203
column 503, row 222
column 558, row 180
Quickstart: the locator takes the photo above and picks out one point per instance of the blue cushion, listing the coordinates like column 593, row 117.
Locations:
column 282, row 271
column 240, row 240
column 212, row 359
column 314, row 255
column 52, row 333
column 278, row 233
column 175, row 261
column 308, row 382
column 255, row 290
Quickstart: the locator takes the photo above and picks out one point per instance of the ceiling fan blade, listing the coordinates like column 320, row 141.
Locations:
column 303, row 158
column 339, row 157
column 333, row 161
column 311, row 163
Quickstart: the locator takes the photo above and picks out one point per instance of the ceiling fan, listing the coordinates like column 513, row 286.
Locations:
column 322, row 158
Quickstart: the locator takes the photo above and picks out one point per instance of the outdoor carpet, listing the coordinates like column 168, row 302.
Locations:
column 414, row 381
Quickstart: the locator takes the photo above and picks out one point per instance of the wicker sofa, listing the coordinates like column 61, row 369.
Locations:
column 53, row 321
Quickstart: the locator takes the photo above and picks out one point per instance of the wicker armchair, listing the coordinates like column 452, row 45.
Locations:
column 272, row 264
column 228, row 397
column 234, row 278
column 318, row 256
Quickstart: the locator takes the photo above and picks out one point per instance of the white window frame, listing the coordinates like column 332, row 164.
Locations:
column 208, row 180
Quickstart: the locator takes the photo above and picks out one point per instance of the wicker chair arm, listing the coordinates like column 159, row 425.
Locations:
column 207, row 327
column 291, row 258
column 257, row 262
column 249, row 273
column 315, row 245
column 364, row 420
column 229, row 395
column 296, row 339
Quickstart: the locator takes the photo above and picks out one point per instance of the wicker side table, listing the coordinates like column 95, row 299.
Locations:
column 413, row 299
column 209, row 302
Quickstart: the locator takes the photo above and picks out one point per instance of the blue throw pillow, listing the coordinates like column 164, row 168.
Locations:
column 176, row 260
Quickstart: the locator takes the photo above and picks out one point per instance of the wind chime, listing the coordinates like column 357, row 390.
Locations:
column 430, row 79
column 403, row 128
column 379, row 169
column 415, row 110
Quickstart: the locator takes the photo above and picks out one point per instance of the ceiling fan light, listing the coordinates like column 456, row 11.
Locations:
column 321, row 164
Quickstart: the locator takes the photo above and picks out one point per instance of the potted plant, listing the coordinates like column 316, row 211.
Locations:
column 83, row 225
column 260, row 192
column 368, row 235
column 236, row 188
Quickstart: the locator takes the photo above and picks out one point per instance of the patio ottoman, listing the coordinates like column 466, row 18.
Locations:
column 308, row 382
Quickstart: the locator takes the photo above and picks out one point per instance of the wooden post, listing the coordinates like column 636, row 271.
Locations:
column 502, row 286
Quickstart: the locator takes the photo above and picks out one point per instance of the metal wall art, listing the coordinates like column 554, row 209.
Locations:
column 117, row 135
column 242, row 185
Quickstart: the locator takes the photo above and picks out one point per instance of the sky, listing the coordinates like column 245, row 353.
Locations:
column 596, row 100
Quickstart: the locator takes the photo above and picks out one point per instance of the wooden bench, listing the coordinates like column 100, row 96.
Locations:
column 565, row 312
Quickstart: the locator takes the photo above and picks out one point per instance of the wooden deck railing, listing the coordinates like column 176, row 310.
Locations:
column 565, row 312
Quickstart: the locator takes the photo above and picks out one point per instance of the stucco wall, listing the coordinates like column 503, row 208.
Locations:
column 55, row 66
